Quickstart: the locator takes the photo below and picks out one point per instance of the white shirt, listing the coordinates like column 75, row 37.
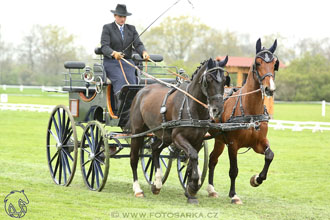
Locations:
column 119, row 25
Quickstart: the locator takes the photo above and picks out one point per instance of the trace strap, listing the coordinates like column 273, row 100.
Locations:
column 167, row 84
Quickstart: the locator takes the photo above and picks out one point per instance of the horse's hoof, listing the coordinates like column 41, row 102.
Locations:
column 213, row 194
column 236, row 200
column 154, row 190
column 139, row 195
column 192, row 200
column 253, row 181
column 191, row 192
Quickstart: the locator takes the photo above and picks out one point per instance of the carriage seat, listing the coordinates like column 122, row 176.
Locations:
column 74, row 65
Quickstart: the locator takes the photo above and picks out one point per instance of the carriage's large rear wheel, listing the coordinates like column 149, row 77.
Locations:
column 182, row 163
column 94, row 156
column 62, row 145
column 147, row 163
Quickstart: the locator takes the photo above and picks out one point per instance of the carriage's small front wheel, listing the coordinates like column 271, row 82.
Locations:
column 62, row 146
column 147, row 163
column 94, row 156
column 182, row 163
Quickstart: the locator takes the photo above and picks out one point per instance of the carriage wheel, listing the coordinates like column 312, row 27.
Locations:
column 182, row 163
column 62, row 146
column 94, row 156
column 147, row 163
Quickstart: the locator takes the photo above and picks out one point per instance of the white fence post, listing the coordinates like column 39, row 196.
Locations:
column 323, row 108
column 21, row 88
column 3, row 98
column 4, row 87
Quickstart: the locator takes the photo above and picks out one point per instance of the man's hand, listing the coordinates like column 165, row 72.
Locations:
column 145, row 55
column 117, row 55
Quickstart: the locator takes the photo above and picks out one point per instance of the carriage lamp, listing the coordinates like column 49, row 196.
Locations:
column 74, row 107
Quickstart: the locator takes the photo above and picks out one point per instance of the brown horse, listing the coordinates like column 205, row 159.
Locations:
column 244, row 108
column 207, row 85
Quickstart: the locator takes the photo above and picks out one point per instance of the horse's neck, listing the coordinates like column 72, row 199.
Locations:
column 253, row 103
column 197, row 110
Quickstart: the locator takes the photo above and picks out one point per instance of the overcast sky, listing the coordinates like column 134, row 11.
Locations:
column 292, row 19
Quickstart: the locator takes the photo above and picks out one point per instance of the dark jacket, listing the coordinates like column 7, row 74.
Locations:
column 111, row 40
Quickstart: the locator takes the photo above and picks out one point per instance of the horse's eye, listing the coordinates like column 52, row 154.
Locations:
column 258, row 64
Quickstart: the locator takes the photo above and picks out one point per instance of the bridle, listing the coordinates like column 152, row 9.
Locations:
column 204, row 83
column 268, row 57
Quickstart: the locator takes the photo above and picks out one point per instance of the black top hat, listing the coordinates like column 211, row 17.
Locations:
column 121, row 10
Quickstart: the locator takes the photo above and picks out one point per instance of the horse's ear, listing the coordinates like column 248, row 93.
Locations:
column 258, row 46
column 227, row 82
column 223, row 63
column 210, row 63
column 273, row 48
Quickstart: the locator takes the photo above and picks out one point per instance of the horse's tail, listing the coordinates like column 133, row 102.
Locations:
column 127, row 128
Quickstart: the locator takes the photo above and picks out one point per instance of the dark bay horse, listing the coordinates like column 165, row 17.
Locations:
column 250, row 106
column 207, row 85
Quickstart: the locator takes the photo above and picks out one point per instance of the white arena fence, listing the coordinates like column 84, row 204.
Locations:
column 276, row 124
column 26, row 107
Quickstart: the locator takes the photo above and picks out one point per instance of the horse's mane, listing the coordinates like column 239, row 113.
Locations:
column 198, row 68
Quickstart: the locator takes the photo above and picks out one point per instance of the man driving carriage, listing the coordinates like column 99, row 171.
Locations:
column 117, row 41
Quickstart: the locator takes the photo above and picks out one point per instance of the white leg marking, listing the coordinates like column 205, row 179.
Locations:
column 210, row 189
column 136, row 187
column 255, row 180
column 158, row 178
column 200, row 176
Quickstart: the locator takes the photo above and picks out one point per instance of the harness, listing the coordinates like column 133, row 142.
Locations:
column 268, row 57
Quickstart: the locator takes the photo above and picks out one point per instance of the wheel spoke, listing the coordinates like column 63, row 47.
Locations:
column 59, row 122
column 149, row 161
column 56, row 167
column 182, row 168
column 63, row 124
column 85, row 150
column 68, row 155
column 98, row 154
column 151, row 171
column 56, row 128
column 50, row 162
column 56, row 138
column 93, row 175
column 99, row 161
column 89, row 171
column 185, row 177
column 96, row 139
column 164, row 162
column 100, row 169
column 65, row 157
column 89, row 142
column 60, row 170
column 68, row 135
column 96, row 175
column 63, row 167
column 93, row 139
column 86, row 162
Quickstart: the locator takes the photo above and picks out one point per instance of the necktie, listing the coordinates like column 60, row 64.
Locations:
column 122, row 32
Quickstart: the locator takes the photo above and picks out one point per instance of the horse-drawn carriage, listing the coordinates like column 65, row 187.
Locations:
column 93, row 108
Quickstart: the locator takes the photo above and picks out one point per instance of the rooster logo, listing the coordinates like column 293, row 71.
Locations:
column 15, row 204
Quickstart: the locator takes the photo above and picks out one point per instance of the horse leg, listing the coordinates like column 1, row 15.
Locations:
column 193, row 177
column 256, row 180
column 156, row 150
column 233, row 171
column 217, row 151
column 136, row 143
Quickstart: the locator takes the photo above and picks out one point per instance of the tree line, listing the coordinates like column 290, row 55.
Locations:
column 184, row 42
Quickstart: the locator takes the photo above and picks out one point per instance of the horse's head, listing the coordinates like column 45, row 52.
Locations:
column 264, row 67
column 213, row 81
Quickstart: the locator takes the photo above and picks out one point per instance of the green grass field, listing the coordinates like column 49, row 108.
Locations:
column 297, row 186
